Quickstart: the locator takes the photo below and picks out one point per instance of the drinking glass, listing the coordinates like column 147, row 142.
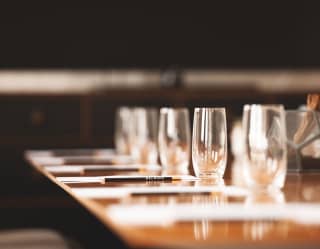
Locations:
column 209, row 142
column 265, row 146
column 174, row 139
column 123, row 130
column 143, row 140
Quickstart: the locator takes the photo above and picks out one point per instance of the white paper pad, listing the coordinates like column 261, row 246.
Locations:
column 111, row 167
column 53, row 160
column 106, row 192
column 157, row 214
column 64, row 169
column 48, row 160
column 80, row 179
column 148, row 178
column 102, row 193
column 75, row 152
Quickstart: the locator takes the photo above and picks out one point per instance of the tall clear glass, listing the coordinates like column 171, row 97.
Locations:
column 174, row 139
column 209, row 142
column 265, row 146
column 143, row 140
column 123, row 130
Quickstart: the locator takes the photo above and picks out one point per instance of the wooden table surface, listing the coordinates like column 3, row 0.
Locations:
column 301, row 188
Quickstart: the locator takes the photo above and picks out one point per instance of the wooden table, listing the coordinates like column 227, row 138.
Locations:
column 301, row 188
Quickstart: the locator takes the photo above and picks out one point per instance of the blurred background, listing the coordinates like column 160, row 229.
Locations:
column 64, row 69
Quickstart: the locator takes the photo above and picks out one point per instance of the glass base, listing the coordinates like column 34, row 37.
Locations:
column 213, row 181
column 211, row 175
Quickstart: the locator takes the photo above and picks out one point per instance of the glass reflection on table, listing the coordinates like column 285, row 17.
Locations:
column 203, row 228
column 260, row 229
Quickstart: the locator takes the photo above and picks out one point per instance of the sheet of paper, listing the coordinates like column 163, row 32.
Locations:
column 64, row 169
column 110, row 167
column 43, row 160
column 104, row 192
column 157, row 214
column 149, row 178
column 96, row 157
column 66, row 152
column 102, row 159
column 80, row 179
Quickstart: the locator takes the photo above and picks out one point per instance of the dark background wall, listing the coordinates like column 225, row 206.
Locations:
column 232, row 34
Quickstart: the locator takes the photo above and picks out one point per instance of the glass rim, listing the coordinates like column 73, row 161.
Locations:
column 165, row 109
column 123, row 107
column 263, row 106
column 141, row 108
column 196, row 109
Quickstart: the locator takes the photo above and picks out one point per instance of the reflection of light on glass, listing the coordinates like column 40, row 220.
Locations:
column 203, row 228
column 203, row 127
column 256, row 139
column 171, row 125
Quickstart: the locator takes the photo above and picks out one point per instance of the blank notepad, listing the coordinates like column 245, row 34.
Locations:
column 80, row 179
column 161, row 214
column 90, row 168
column 64, row 169
column 105, row 159
column 106, row 192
